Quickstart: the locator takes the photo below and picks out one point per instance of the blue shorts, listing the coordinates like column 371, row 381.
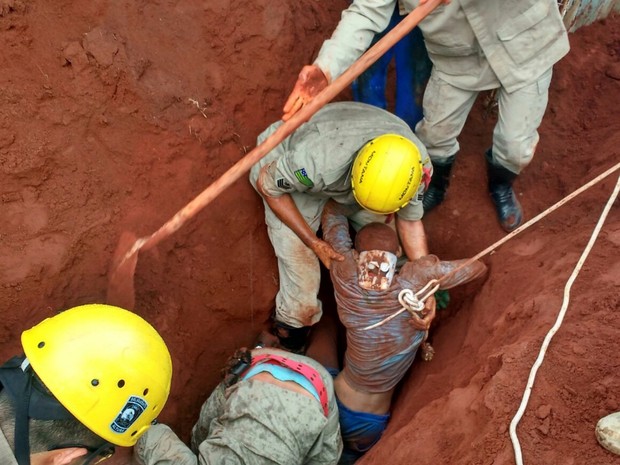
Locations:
column 360, row 430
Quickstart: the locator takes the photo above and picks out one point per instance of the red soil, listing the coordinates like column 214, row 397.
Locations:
column 114, row 115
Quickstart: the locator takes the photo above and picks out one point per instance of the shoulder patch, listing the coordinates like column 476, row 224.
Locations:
column 283, row 183
column 303, row 178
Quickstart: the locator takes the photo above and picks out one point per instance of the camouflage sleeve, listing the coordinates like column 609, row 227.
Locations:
column 328, row 446
column 211, row 409
column 160, row 446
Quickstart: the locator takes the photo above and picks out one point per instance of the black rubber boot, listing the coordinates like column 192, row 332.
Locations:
column 509, row 211
column 440, row 181
column 292, row 339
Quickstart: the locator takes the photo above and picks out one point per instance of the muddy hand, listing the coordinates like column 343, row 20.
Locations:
column 418, row 322
column 310, row 83
column 326, row 253
column 422, row 320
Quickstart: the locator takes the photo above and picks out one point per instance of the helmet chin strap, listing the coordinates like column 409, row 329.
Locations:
column 101, row 453
column 29, row 401
column 22, row 419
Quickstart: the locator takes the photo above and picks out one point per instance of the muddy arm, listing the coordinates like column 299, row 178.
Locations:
column 463, row 275
column 335, row 225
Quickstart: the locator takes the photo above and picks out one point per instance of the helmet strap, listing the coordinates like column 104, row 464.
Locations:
column 22, row 421
column 30, row 400
column 101, row 453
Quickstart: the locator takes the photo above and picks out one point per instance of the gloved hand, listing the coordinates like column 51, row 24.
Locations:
column 310, row 83
column 442, row 297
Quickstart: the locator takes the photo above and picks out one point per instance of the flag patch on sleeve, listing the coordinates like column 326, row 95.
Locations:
column 303, row 178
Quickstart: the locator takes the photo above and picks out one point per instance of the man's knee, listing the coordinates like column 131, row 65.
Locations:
column 514, row 153
column 440, row 141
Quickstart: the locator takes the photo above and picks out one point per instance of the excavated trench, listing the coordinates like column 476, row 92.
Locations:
column 114, row 115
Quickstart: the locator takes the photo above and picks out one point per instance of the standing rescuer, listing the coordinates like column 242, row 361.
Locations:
column 475, row 45
column 91, row 378
column 357, row 155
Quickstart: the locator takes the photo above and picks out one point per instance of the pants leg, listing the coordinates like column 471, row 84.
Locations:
column 515, row 135
column 445, row 111
column 299, row 270
column 297, row 304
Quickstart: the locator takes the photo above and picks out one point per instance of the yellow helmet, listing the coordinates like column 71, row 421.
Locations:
column 386, row 173
column 106, row 365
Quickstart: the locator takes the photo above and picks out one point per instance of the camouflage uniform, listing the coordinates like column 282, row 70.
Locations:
column 253, row 422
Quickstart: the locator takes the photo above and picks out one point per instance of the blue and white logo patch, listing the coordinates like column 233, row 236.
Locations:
column 132, row 410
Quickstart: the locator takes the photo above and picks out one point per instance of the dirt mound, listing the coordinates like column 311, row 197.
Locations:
column 113, row 115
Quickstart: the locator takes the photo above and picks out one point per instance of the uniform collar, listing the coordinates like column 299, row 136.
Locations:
column 6, row 454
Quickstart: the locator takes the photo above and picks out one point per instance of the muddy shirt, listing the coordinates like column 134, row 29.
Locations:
column 253, row 422
column 473, row 44
column 6, row 454
column 316, row 159
column 377, row 359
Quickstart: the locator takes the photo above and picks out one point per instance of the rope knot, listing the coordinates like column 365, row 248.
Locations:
column 409, row 300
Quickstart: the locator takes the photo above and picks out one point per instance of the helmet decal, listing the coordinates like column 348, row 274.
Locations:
column 407, row 185
column 132, row 410
column 365, row 167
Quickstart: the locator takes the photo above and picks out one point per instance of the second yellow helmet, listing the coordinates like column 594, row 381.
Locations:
column 106, row 365
column 386, row 173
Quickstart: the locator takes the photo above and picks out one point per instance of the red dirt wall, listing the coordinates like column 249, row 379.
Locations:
column 113, row 115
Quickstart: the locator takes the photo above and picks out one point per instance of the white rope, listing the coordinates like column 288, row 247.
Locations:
column 506, row 238
column 410, row 302
column 556, row 326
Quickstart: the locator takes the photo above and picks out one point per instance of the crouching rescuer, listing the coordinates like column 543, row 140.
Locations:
column 273, row 407
column 358, row 155
column 91, row 378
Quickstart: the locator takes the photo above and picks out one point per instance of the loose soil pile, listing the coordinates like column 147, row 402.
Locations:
column 113, row 115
